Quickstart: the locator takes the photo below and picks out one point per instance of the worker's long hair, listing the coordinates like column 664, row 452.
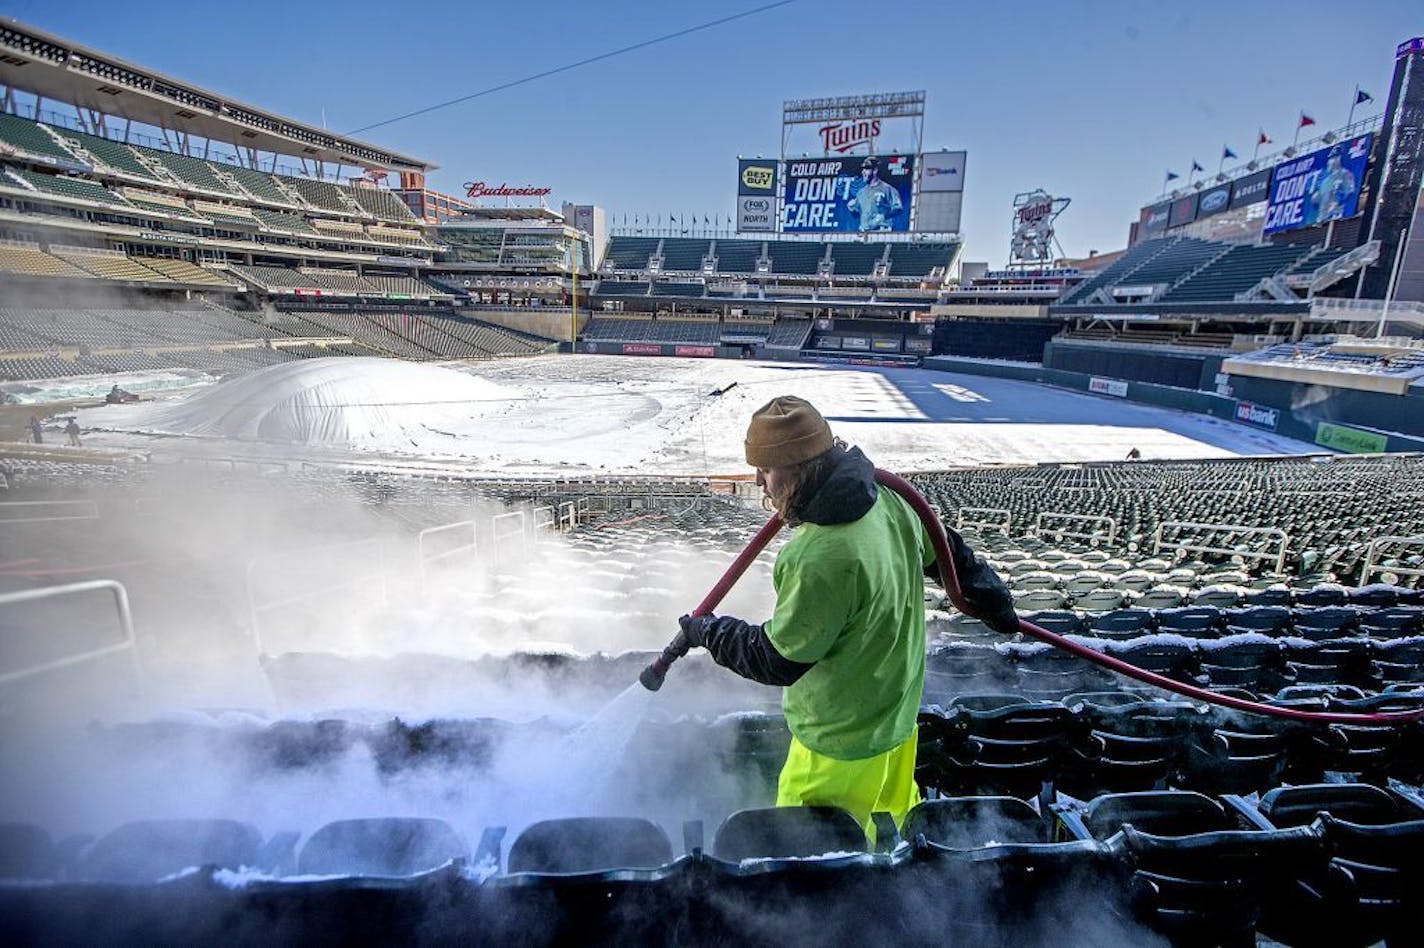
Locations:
column 805, row 479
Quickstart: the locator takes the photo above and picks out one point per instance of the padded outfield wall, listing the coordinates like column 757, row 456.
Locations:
column 1325, row 417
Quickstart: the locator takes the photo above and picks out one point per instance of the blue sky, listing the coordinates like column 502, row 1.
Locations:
column 1089, row 98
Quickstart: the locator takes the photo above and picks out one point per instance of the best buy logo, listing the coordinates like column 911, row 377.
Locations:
column 758, row 177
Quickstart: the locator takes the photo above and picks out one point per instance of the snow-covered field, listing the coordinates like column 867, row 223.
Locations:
column 628, row 415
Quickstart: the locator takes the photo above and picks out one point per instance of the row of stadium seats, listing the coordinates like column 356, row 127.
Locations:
column 1121, row 868
column 333, row 282
column 1193, row 270
column 1328, row 512
column 798, row 257
column 1352, row 355
column 210, row 212
column 788, row 334
column 98, row 332
column 621, row 288
column 110, row 159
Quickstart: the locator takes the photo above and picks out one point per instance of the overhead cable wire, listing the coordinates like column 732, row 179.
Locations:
column 575, row 65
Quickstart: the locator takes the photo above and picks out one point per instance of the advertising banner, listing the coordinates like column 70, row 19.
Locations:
column 1258, row 415
column 756, row 213
column 1252, row 189
column 1353, row 440
column 942, row 171
column 1154, row 219
column 849, row 195
column 1321, row 186
column 1113, row 387
column 700, row 352
column 756, row 176
column 642, row 349
column 1184, row 211
column 1214, row 201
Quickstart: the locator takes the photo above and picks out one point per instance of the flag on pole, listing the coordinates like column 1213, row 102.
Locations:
column 1305, row 120
column 1172, row 176
column 1361, row 97
column 1263, row 138
column 1196, row 167
column 1226, row 152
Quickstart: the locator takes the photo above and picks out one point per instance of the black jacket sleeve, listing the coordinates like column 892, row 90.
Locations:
column 989, row 597
column 745, row 649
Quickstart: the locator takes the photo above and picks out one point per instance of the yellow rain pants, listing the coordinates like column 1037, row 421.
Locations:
column 885, row 782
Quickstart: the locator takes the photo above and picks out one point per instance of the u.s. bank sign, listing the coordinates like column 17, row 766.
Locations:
column 1258, row 415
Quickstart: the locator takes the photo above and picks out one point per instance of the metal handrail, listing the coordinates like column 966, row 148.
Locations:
column 1280, row 535
column 349, row 581
column 1372, row 551
column 963, row 519
column 121, row 605
column 463, row 549
column 1061, row 532
column 86, row 504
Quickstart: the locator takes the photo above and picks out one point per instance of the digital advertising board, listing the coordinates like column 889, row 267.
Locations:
column 850, row 195
column 1252, row 189
column 756, row 194
column 1319, row 187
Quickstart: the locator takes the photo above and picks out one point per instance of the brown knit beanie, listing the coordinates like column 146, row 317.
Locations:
column 786, row 430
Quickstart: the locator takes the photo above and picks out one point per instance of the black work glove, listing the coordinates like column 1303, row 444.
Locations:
column 987, row 594
column 695, row 629
column 744, row 648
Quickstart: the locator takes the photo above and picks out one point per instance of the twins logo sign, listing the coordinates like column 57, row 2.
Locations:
column 848, row 194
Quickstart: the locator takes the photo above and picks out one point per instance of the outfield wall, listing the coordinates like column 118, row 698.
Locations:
column 1313, row 422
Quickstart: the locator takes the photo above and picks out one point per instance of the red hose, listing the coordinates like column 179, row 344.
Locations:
column 739, row 566
column 951, row 586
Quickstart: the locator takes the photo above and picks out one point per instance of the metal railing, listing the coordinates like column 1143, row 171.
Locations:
column 1372, row 556
column 359, row 579
column 509, row 526
column 977, row 517
column 121, row 606
column 76, row 510
column 1069, row 521
column 1277, row 553
column 427, row 559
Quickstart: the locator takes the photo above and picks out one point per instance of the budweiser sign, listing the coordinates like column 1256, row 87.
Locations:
column 841, row 137
column 479, row 189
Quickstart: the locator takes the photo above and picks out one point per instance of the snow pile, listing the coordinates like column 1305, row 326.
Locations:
column 335, row 401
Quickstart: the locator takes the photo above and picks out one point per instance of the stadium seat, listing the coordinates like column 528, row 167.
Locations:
column 972, row 822
column 787, row 833
column 591, row 844
column 390, row 846
column 146, row 851
column 26, row 852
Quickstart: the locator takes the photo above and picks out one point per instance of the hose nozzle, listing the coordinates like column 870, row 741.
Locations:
column 652, row 677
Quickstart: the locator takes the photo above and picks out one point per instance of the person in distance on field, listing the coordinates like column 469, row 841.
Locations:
column 847, row 637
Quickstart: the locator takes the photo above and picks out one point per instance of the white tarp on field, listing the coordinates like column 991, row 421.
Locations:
column 334, row 402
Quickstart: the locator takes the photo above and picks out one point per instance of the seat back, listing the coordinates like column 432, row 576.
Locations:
column 390, row 846
column 787, row 832
column 26, row 852
column 970, row 822
column 1158, row 812
column 148, row 850
column 591, row 844
column 1356, row 802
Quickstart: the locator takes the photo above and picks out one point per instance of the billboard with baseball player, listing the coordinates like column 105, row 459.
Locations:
column 869, row 194
column 1319, row 187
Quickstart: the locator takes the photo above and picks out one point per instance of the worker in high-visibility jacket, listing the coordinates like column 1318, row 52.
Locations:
column 847, row 637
